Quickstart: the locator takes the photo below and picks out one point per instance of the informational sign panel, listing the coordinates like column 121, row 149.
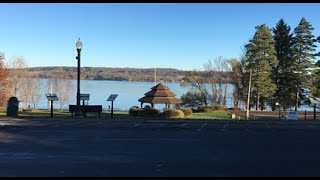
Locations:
column 84, row 97
column 293, row 115
column 52, row 97
column 112, row 97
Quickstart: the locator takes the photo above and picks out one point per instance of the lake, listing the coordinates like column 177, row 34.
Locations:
column 128, row 93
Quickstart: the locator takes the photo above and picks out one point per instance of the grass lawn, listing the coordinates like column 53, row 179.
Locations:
column 211, row 115
column 44, row 113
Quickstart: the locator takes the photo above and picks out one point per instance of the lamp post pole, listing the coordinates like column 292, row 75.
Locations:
column 248, row 98
column 278, row 105
column 78, row 112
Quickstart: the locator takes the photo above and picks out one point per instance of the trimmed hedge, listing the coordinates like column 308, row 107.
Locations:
column 172, row 113
column 149, row 112
column 178, row 114
column 186, row 111
column 205, row 109
column 134, row 111
column 215, row 107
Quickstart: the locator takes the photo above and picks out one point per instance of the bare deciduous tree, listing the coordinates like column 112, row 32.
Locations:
column 62, row 87
column 25, row 88
column 35, row 91
column 18, row 74
column 196, row 80
column 217, row 72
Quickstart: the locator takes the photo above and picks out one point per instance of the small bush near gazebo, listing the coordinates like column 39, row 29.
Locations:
column 149, row 112
column 134, row 111
column 205, row 109
column 172, row 113
column 186, row 111
column 215, row 107
column 218, row 107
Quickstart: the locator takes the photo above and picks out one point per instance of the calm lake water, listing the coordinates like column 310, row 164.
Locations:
column 128, row 93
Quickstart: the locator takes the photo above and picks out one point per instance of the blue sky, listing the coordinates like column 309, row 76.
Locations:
column 139, row 35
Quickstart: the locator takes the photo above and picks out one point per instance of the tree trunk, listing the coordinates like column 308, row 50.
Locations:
column 297, row 100
column 258, row 101
column 262, row 104
column 225, row 95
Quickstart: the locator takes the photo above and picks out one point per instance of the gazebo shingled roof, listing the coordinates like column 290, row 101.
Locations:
column 160, row 94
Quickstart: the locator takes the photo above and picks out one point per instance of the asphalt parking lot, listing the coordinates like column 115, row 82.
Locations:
column 99, row 147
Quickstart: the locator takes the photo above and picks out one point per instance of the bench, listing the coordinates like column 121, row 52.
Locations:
column 85, row 109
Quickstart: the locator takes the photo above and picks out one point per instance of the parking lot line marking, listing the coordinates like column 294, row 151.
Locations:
column 312, row 126
column 268, row 126
column 203, row 125
column 226, row 125
column 137, row 124
column 184, row 124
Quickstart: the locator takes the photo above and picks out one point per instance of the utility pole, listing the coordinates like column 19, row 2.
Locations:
column 248, row 98
column 155, row 76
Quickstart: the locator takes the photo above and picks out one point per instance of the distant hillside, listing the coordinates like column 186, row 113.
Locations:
column 105, row 73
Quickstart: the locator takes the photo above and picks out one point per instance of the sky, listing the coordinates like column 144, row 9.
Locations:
column 139, row 35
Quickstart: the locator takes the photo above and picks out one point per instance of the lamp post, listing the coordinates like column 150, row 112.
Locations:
column 278, row 105
column 78, row 112
column 248, row 98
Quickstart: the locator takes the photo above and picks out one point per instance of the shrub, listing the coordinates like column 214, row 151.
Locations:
column 178, row 114
column 168, row 113
column 172, row 113
column 186, row 111
column 205, row 109
column 234, row 109
column 134, row 111
column 149, row 112
column 191, row 99
column 218, row 107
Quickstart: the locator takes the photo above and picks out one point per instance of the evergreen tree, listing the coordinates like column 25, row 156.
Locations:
column 261, row 59
column 283, row 74
column 304, row 48
column 315, row 89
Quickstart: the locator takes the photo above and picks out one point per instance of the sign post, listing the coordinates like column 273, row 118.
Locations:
column 111, row 98
column 314, row 102
column 84, row 97
column 52, row 97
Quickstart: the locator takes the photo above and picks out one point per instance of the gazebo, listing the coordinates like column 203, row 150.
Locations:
column 160, row 94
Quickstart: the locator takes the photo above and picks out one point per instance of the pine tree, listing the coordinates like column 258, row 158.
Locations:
column 261, row 59
column 315, row 89
column 283, row 74
column 304, row 48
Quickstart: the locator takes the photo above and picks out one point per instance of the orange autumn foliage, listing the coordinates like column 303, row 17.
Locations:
column 4, row 83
